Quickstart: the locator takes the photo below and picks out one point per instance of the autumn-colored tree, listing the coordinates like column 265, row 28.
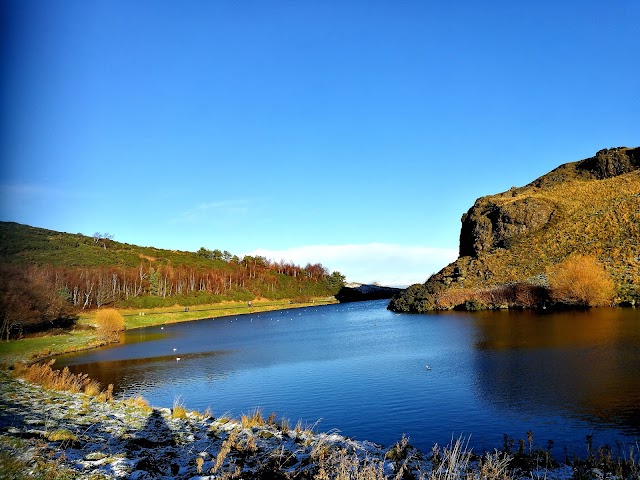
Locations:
column 109, row 324
column 581, row 280
column 29, row 302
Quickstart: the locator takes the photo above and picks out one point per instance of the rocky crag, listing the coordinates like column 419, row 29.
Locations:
column 590, row 207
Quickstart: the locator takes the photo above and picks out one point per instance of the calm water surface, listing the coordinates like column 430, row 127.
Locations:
column 361, row 369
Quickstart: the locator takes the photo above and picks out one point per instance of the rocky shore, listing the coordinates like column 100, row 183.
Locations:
column 77, row 436
column 60, row 435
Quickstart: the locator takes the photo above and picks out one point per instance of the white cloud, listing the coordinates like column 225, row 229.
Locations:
column 387, row 264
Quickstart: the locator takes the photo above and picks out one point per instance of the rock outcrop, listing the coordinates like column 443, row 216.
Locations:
column 590, row 207
column 489, row 225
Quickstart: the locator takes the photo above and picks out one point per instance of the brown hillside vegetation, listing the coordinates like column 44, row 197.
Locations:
column 510, row 241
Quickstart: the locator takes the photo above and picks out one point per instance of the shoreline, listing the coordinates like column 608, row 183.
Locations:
column 60, row 435
column 88, row 438
column 85, row 436
column 81, row 337
column 227, row 309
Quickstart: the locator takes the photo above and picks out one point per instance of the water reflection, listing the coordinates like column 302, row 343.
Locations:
column 130, row 374
column 582, row 364
column 362, row 370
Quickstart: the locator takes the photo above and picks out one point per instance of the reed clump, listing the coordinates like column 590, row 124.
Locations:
column 138, row 402
column 254, row 419
column 341, row 464
column 62, row 380
column 178, row 410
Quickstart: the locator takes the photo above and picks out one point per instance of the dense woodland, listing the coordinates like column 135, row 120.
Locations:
column 47, row 275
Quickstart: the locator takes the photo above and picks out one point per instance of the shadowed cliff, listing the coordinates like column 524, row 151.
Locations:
column 360, row 293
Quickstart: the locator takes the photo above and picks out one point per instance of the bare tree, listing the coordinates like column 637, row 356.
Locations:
column 102, row 238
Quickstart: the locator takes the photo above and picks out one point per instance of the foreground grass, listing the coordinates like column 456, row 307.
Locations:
column 83, row 336
column 93, row 435
column 29, row 349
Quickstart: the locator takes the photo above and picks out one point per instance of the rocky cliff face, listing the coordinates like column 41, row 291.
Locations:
column 489, row 225
column 495, row 220
column 591, row 207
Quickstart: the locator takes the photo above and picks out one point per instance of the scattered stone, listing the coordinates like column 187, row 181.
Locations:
column 137, row 443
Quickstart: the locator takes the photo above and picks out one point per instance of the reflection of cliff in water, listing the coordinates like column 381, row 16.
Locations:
column 583, row 362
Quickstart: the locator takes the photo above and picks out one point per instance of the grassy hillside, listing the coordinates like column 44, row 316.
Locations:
column 590, row 208
column 26, row 245
column 46, row 275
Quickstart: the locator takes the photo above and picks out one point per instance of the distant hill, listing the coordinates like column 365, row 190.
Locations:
column 590, row 207
column 91, row 271
column 358, row 292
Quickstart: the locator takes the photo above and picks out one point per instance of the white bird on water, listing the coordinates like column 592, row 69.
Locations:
column 427, row 367
column 177, row 358
column 174, row 349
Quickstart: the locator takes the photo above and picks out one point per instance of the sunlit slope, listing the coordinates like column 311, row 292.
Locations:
column 23, row 244
column 96, row 271
column 590, row 207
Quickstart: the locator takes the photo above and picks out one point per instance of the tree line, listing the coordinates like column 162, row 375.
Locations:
column 36, row 297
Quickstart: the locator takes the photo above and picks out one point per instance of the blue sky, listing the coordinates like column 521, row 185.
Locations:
column 354, row 133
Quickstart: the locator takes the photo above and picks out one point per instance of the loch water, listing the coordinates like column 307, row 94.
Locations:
column 371, row 374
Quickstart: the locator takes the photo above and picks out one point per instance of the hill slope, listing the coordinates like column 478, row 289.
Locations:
column 590, row 207
column 95, row 271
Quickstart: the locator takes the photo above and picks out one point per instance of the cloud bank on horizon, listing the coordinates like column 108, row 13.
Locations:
column 386, row 264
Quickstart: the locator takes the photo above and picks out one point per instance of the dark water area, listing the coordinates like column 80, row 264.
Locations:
column 372, row 374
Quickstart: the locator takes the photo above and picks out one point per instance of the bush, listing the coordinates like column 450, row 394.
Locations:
column 109, row 324
column 581, row 280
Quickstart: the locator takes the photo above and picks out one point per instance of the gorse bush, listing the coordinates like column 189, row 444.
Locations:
column 109, row 324
column 581, row 280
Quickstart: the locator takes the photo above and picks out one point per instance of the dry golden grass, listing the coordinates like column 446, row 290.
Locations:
column 252, row 420
column 62, row 380
column 284, row 426
column 93, row 388
column 199, row 464
column 178, row 410
column 340, row 464
column 61, row 435
column 49, row 378
column 106, row 395
column 138, row 402
column 228, row 443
